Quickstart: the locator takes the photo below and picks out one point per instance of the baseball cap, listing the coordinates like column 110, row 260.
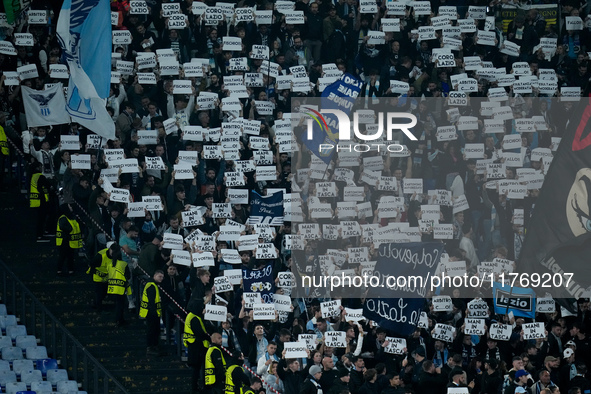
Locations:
column 571, row 343
column 520, row 390
column 550, row 359
column 109, row 244
column 520, row 373
column 568, row 352
column 419, row 351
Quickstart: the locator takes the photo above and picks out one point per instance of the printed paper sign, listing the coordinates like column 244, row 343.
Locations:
column 330, row 308
column 533, row 331
column 500, row 332
column 442, row 304
column 222, row 284
column 263, row 312
column 295, row 350
column 443, row 332
column 215, row 313
column 474, row 326
column 335, row 339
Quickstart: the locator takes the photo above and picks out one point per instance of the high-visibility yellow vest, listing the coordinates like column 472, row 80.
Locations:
column 230, row 386
column 144, row 303
column 189, row 335
column 75, row 235
column 3, row 142
column 209, row 367
column 117, row 281
column 34, row 194
column 101, row 273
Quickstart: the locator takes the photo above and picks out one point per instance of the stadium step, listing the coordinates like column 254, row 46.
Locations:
column 122, row 351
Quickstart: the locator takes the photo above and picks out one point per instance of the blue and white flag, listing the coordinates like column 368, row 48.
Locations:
column 45, row 107
column 520, row 301
column 84, row 32
column 266, row 210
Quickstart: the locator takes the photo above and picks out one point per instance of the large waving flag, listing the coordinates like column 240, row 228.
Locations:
column 558, row 238
column 84, row 32
column 45, row 107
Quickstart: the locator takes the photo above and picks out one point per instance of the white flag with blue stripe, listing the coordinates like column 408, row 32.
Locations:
column 84, row 32
column 45, row 107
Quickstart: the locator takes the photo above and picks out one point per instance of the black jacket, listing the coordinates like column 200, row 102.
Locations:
column 292, row 381
column 310, row 386
column 491, row 384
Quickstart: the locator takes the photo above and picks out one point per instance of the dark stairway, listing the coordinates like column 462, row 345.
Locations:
column 122, row 351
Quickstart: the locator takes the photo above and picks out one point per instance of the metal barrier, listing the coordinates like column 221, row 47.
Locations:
column 60, row 343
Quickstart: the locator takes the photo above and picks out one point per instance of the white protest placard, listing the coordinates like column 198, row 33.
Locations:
column 545, row 305
column 395, row 345
column 232, row 43
column 574, row 23
column 354, row 315
column 6, row 48
column 234, row 276
column 172, row 241
column 181, row 257
column 121, row 37
column 120, row 195
column 70, row 142
column 183, row 171
column 80, row 162
column 467, row 25
column 295, row 350
column 566, row 93
column 138, row 7
column 500, row 332
column 478, row 308
column 294, row 17
column 231, row 256
column 37, row 17
column 203, row 259
column 250, row 299
column 474, row 151
column 412, row 185
column 215, row 313
column 330, row 308
column 146, row 78
column 533, row 331
column 263, row 312
column 335, row 339
column 474, row 326
column 442, row 304
column 24, row 39
column 421, row 7
column 181, row 87
column 169, row 9
column 390, row 25
column 177, row 22
column 28, row 71
column 282, row 302
column 153, row 203
column 443, row 332
column 443, row 231
column 222, row 284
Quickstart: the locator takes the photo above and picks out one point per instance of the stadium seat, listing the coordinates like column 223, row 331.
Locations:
column 29, row 377
column 7, row 377
column 15, row 331
column 3, row 310
column 56, row 375
column 4, row 365
column 36, row 353
column 12, row 353
column 25, row 341
column 7, row 320
column 65, row 386
column 45, row 365
column 39, row 387
column 20, row 366
column 14, row 387
column 5, row 342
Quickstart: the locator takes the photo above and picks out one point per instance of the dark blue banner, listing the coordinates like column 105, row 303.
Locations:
column 339, row 95
column 266, row 210
column 259, row 281
column 520, row 301
column 404, row 272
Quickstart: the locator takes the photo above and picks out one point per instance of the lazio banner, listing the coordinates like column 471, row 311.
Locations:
column 266, row 210
column 45, row 107
column 520, row 301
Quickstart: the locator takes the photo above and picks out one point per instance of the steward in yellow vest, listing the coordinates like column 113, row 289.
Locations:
column 3, row 143
column 151, row 310
column 215, row 366
column 69, row 239
column 197, row 341
column 118, row 275
column 236, row 381
column 99, row 268
column 39, row 199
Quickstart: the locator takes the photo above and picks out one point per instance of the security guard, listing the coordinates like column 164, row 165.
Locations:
column 4, row 151
column 99, row 268
column 151, row 310
column 39, row 199
column 215, row 366
column 69, row 238
column 118, row 284
column 196, row 340
column 236, row 381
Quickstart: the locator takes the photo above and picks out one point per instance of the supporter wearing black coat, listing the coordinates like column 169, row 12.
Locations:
column 430, row 381
column 290, row 375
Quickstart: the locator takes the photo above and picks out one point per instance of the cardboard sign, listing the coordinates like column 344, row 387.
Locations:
column 263, row 312
column 295, row 350
column 222, row 284
column 172, row 241
column 442, row 304
column 153, row 203
column 24, row 39
column 121, row 37
column 533, row 331
column 500, row 332
column 215, row 313
column 181, row 257
column 545, row 305
column 70, row 142
column 443, row 332
column 474, row 326
column 478, row 308
column 80, row 162
column 138, row 7
column 330, row 308
column 232, row 43
column 335, row 339
column 395, row 345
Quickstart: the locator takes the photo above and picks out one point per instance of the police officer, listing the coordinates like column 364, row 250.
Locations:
column 99, row 268
column 39, row 199
column 151, row 310
column 197, row 341
column 69, row 238
column 215, row 366
column 118, row 284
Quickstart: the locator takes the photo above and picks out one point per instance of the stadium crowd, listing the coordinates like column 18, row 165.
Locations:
column 487, row 220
